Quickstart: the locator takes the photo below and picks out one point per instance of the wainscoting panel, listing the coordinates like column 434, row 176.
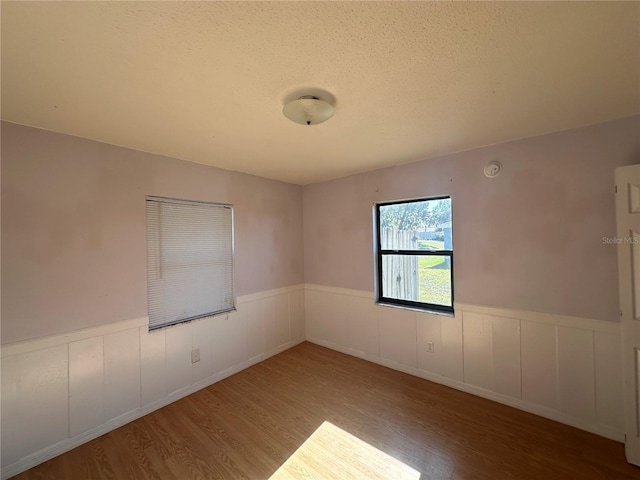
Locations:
column 230, row 338
column 35, row 412
column 121, row 372
column 315, row 302
column 270, row 321
column 86, row 385
column 178, row 360
column 492, row 353
column 564, row 368
column 398, row 333
column 259, row 314
column 478, row 350
column 153, row 373
column 446, row 360
column 10, row 420
column 576, row 374
column 296, row 314
column 506, row 356
column 539, row 364
column 281, row 330
column 429, row 330
column 335, row 313
column 202, row 339
column 61, row 391
column 363, row 326
column 608, row 371
column 451, row 365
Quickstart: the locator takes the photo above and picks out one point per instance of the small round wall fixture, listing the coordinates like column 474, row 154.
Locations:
column 308, row 110
column 492, row 169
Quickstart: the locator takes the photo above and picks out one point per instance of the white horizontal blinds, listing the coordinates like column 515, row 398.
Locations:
column 189, row 260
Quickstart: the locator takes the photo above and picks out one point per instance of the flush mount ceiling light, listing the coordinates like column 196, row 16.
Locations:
column 308, row 110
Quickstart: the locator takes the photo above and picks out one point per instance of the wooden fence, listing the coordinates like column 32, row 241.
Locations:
column 400, row 275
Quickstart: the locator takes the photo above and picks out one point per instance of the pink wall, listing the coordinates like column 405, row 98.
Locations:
column 73, row 225
column 73, row 229
column 529, row 239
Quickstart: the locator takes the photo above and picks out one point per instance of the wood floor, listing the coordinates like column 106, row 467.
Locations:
column 246, row 426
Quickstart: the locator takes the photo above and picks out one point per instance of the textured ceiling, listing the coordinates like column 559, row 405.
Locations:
column 206, row 81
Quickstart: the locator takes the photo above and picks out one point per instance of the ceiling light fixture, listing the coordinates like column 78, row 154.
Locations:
column 308, row 110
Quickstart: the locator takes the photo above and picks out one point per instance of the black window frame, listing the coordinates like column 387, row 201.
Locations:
column 380, row 252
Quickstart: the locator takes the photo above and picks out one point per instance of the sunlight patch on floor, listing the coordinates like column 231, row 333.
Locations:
column 330, row 453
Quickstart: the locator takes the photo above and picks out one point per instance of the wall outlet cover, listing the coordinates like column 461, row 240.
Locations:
column 195, row 355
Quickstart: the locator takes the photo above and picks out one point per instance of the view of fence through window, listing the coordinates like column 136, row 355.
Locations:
column 416, row 251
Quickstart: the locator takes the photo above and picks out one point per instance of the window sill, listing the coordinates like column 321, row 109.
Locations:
column 416, row 309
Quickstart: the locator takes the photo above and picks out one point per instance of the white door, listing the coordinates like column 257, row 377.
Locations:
column 628, row 240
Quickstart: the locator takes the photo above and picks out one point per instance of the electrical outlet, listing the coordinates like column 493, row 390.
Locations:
column 430, row 347
column 195, row 355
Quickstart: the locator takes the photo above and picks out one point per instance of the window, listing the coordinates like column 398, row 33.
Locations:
column 414, row 254
column 189, row 260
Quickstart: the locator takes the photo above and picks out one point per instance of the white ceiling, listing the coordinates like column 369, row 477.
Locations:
column 206, row 81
